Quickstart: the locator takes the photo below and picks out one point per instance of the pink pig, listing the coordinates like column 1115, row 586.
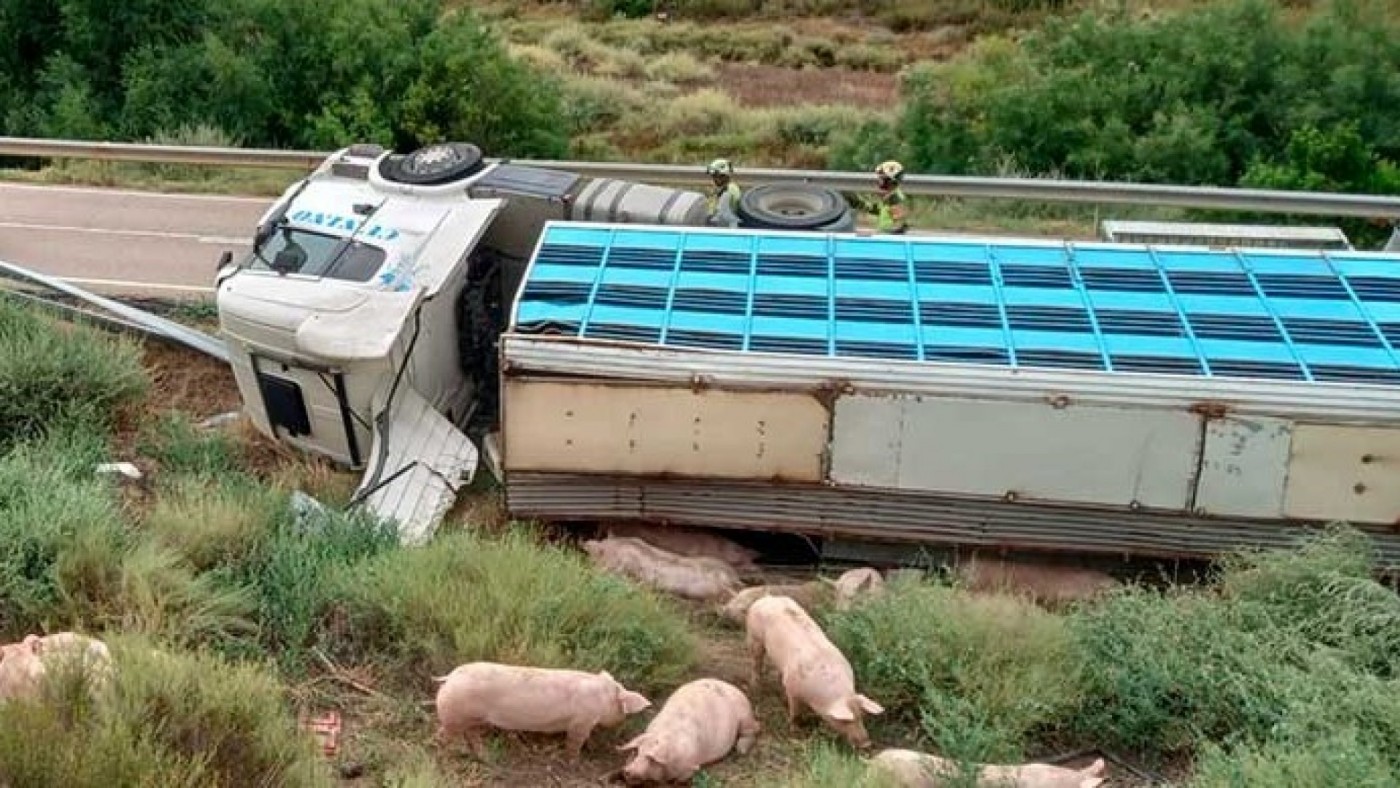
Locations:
column 699, row 724
column 813, row 671
column 478, row 695
column 911, row 769
column 689, row 542
column 1051, row 585
column 685, row 576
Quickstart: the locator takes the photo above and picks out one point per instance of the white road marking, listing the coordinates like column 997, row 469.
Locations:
column 136, row 193
column 65, row 228
column 141, row 285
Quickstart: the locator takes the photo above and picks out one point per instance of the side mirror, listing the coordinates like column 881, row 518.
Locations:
column 224, row 260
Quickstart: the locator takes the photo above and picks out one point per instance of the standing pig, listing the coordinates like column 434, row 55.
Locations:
column 910, row 769
column 478, row 695
column 852, row 583
column 689, row 542
column 699, row 724
column 689, row 577
column 814, row 672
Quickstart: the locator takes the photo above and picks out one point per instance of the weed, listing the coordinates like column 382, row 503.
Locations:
column 679, row 67
column 61, row 535
column 173, row 719
column 211, row 524
column 52, row 373
column 181, row 448
column 979, row 673
column 1332, row 759
column 706, row 111
column 827, row 766
column 509, row 599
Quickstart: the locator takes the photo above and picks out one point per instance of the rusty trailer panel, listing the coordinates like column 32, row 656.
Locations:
column 882, row 515
column 1030, row 451
column 599, row 427
column 1244, row 466
column 1344, row 473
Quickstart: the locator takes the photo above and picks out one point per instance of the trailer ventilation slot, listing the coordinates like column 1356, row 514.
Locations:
column 1277, row 314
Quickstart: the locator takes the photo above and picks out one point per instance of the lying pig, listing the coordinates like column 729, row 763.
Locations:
column 810, row 595
column 813, row 671
column 478, row 695
column 910, row 769
column 1050, row 585
column 699, row 724
column 853, row 583
column 25, row 665
column 684, row 576
column 689, row 542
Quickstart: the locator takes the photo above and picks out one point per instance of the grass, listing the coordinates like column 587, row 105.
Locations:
column 510, row 599
column 976, row 676
column 50, row 374
column 228, row 614
column 173, row 719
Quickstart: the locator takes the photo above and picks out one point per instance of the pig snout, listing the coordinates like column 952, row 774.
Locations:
column 847, row 719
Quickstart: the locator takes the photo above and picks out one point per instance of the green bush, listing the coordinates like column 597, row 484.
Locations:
column 61, row 532
column 51, row 374
column 465, row 597
column 980, row 674
column 172, row 718
column 1201, row 96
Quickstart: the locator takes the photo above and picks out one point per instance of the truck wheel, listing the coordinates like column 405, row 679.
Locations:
column 798, row 206
column 433, row 164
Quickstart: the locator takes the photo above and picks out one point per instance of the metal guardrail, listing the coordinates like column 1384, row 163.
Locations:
column 1031, row 189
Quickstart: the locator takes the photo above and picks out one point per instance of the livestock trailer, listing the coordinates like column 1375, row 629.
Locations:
column 1039, row 395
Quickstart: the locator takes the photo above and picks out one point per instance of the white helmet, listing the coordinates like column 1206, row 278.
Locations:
column 720, row 167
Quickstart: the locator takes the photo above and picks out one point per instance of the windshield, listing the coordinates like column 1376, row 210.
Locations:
column 314, row 254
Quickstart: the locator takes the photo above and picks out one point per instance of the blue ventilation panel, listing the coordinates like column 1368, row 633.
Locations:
column 1295, row 316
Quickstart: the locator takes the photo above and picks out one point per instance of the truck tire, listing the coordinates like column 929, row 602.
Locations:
column 775, row 206
column 433, row 164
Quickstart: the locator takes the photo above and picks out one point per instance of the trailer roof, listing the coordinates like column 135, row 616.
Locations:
column 1300, row 315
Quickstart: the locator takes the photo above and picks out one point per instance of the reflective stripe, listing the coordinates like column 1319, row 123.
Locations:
column 886, row 222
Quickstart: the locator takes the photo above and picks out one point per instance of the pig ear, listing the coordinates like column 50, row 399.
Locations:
column 841, row 712
column 1094, row 769
column 633, row 702
column 869, row 706
column 634, row 744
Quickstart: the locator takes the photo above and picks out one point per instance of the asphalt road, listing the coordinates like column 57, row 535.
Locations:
column 119, row 242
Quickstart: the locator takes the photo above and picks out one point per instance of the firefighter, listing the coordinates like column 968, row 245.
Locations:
column 890, row 207
column 724, row 199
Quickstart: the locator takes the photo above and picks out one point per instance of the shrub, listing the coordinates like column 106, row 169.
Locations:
column 1333, row 759
column 51, row 373
column 294, row 573
column 679, row 67
column 211, row 524
column 173, row 719
column 979, row 673
column 61, row 534
column 706, row 111
column 464, row 597
column 1324, row 592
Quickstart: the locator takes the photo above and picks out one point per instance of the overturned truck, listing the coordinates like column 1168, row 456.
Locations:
column 636, row 364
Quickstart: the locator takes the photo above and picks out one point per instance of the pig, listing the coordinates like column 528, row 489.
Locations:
column 689, row 577
column 698, row 725
column 689, row 542
column 813, row 671
column 910, row 769
column 21, row 672
column 850, row 585
column 26, row 664
column 1050, row 585
column 478, row 695
column 810, row 595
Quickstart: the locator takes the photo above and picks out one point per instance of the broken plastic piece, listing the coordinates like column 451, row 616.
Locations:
column 124, row 468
